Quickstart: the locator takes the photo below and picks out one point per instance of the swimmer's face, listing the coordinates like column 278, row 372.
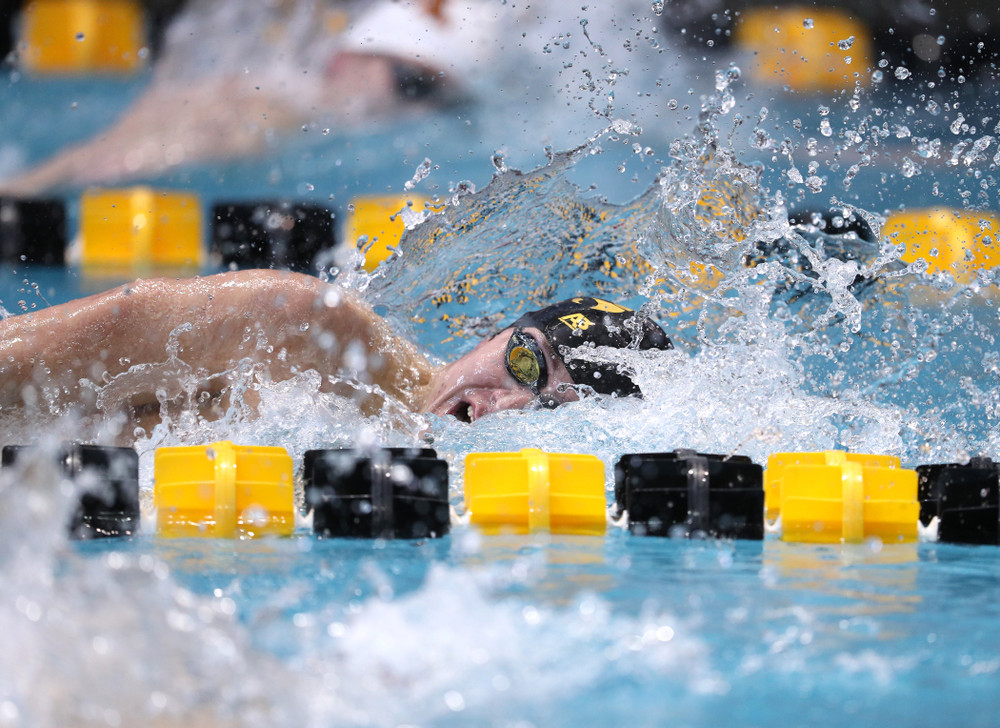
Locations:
column 360, row 86
column 481, row 383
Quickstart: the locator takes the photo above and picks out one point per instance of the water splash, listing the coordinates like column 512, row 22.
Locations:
column 825, row 311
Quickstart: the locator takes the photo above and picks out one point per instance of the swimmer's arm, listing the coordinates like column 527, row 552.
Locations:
column 292, row 322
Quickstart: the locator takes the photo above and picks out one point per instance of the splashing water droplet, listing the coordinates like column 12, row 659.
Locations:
column 658, row 7
column 814, row 183
column 846, row 43
column 909, row 168
column 808, row 23
column 422, row 171
column 621, row 126
column 902, row 72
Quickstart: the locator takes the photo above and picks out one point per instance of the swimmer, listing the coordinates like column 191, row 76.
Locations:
column 238, row 80
column 235, row 78
column 135, row 349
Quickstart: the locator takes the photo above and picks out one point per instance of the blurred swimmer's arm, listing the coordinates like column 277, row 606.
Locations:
column 290, row 322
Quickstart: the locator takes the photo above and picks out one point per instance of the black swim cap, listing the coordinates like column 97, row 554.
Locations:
column 595, row 322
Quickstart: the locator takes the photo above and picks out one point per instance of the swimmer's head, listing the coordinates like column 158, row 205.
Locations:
column 536, row 361
column 591, row 322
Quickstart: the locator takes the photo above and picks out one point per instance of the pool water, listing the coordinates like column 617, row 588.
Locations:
column 505, row 631
column 555, row 630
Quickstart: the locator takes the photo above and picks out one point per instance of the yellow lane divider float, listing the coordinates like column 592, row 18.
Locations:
column 223, row 490
column 834, row 496
column 135, row 228
column 960, row 242
column 806, row 48
column 82, row 36
column 531, row 491
column 374, row 224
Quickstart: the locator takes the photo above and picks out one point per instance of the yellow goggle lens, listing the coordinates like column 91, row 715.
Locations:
column 523, row 364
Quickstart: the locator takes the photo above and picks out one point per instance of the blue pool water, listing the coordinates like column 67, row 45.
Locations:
column 548, row 630
column 570, row 631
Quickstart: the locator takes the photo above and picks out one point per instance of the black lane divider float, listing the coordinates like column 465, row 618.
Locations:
column 32, row 231
column 388, row 493
column 271, row 234
column 684, row 493
column 964, row 498
column 109, row 486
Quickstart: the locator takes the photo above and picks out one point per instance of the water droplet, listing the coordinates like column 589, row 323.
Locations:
column 80, row 36
column 658, row 7
column 814, row 183
column 454, row 700
column 419, row 175
column 621, row 126
column 909, row 168
column 808, row 23
column 846, row 43
column 902, row 72
column 825, row 129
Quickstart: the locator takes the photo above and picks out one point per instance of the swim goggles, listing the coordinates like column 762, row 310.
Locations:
column 525, row 361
